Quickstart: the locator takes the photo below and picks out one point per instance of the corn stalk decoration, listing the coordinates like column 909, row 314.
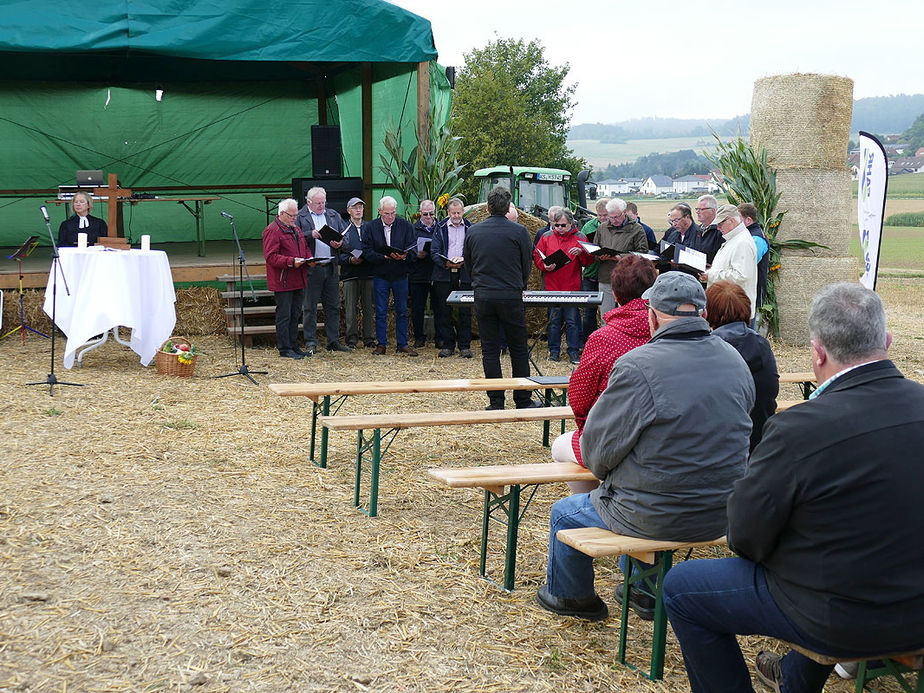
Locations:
column 429, row 170
column 747, row 177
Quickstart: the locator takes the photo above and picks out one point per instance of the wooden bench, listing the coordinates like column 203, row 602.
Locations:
column 805, row 380
column 901, row 666
column 596, row 542
column 398, row 422
column 321, row 394
column 494, row 480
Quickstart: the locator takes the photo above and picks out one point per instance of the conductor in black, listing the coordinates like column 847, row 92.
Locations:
column 498, row 256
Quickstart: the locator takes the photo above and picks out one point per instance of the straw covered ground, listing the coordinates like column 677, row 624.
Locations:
column 161, row 533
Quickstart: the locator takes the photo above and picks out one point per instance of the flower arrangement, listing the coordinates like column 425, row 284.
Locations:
column 183, row 351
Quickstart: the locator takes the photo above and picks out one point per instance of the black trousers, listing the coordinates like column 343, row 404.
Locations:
column 419, row 292
column 288, row 313
column 452, row 330
column 497, row 318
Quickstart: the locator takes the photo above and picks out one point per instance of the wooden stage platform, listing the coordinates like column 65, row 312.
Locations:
column 220, row 258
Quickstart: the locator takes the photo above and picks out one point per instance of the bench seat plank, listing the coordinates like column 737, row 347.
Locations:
column 802, row 377
column 316, row 390
column 597, row 542
column 507, row 474
column 450, row 418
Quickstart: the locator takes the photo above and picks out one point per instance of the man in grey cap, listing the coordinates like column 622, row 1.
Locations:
column 356, row 275
column 667, row 438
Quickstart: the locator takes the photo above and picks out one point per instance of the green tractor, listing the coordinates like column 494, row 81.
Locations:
column 535, row 189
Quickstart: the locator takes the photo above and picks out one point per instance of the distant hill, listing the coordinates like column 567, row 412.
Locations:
column 878, row 114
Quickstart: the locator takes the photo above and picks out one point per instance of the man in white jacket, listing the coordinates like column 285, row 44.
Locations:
column 736, row 260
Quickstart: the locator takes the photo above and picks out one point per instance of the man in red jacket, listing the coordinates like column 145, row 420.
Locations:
column 563, row 276
column 286, row 253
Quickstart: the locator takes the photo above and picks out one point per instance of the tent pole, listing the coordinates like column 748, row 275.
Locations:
column 423, row 109
column 366, row 71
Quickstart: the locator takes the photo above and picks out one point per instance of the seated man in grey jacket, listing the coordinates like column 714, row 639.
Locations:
column 667, row 438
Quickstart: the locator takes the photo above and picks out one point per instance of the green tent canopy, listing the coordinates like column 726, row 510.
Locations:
column 242, row 82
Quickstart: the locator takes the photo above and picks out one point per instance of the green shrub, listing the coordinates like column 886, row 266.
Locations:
column 905, row 219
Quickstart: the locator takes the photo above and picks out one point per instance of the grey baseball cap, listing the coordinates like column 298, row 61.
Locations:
column 725, row 212
column 355, row 201
column 672, row 289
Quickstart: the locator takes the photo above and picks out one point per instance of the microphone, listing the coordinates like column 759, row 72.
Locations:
column 45, row 214
column 226, row 215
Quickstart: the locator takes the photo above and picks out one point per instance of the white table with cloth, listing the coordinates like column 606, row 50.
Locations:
column 108, row 288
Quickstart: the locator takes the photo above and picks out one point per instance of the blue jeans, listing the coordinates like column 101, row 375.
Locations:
column 710, row 601
column 398, row 289
column 570, row 573
column 572, row 319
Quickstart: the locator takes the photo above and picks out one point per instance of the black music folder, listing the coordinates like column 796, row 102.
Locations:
column 328, row 234
column 687, row 259
column 389, row 249
column 559, row 258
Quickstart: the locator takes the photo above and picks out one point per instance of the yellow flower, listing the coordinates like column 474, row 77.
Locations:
column 184, row 357
column 775, row 267
column 442, row 200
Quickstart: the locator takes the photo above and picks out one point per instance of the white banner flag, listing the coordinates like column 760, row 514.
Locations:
column 871, row 197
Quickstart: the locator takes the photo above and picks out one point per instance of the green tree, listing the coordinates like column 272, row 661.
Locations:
column 914, row 135
column 511, row 107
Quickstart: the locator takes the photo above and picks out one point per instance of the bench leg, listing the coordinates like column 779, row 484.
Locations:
column 648, row 580
column 550, row 399
column 318, row 409
column 509, row 504
column 889, row 667
column 378, row 446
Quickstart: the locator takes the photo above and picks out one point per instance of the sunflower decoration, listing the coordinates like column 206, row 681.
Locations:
column 442, row 201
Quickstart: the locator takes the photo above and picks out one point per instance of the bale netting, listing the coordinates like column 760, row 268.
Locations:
column 798, row 280
column 817, row 205
column 803, row 120
column 199, row 310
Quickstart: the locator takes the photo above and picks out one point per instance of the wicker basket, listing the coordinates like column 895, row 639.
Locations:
column 169, row 364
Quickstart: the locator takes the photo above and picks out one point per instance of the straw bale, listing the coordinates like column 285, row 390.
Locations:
column 199, row 310
column 799, row 279
column 817, row 204
column 33, row 314
column 803, row 120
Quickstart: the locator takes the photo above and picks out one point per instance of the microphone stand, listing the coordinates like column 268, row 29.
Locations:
column 241, row 271
column 51, row 380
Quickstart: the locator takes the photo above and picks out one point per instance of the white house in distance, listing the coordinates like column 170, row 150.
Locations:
column 621, row 186
column 656, row 185
column 690, row 185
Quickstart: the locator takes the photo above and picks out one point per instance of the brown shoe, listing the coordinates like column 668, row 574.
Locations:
column 406, row 350
column 378, row 351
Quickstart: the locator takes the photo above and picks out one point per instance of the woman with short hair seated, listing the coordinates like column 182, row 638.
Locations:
column 625, row 327
column 728, row 311
column 81, row 222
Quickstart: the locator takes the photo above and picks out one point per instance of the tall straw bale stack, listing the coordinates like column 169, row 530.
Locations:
column 817, row 204
column 803, row 120
column 798, row 280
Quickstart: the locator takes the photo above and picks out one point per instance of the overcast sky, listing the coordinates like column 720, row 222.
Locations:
column 669, row 58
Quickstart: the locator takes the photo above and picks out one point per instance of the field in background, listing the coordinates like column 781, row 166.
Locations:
column 602, row 154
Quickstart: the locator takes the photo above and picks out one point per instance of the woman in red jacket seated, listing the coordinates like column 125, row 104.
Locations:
column 626, row 327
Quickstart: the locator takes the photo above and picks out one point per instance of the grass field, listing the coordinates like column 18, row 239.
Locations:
column 600, row 154
column 907, row 185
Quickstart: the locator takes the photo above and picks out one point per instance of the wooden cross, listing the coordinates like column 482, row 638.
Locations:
column 112, row 193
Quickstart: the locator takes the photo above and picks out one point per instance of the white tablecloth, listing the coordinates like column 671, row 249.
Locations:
column 109, row 288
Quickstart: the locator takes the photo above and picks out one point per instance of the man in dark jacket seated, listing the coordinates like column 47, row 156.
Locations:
column 826, row 523
column 668, row 438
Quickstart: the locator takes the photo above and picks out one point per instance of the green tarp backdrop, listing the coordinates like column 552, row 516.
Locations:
column 240, row 84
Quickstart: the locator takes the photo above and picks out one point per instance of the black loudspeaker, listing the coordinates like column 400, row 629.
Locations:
column 325, row 151
column 339, row 191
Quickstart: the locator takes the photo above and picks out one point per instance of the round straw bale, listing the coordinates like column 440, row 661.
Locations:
column 817, row 204
column 803, row 120
column 798, row 280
